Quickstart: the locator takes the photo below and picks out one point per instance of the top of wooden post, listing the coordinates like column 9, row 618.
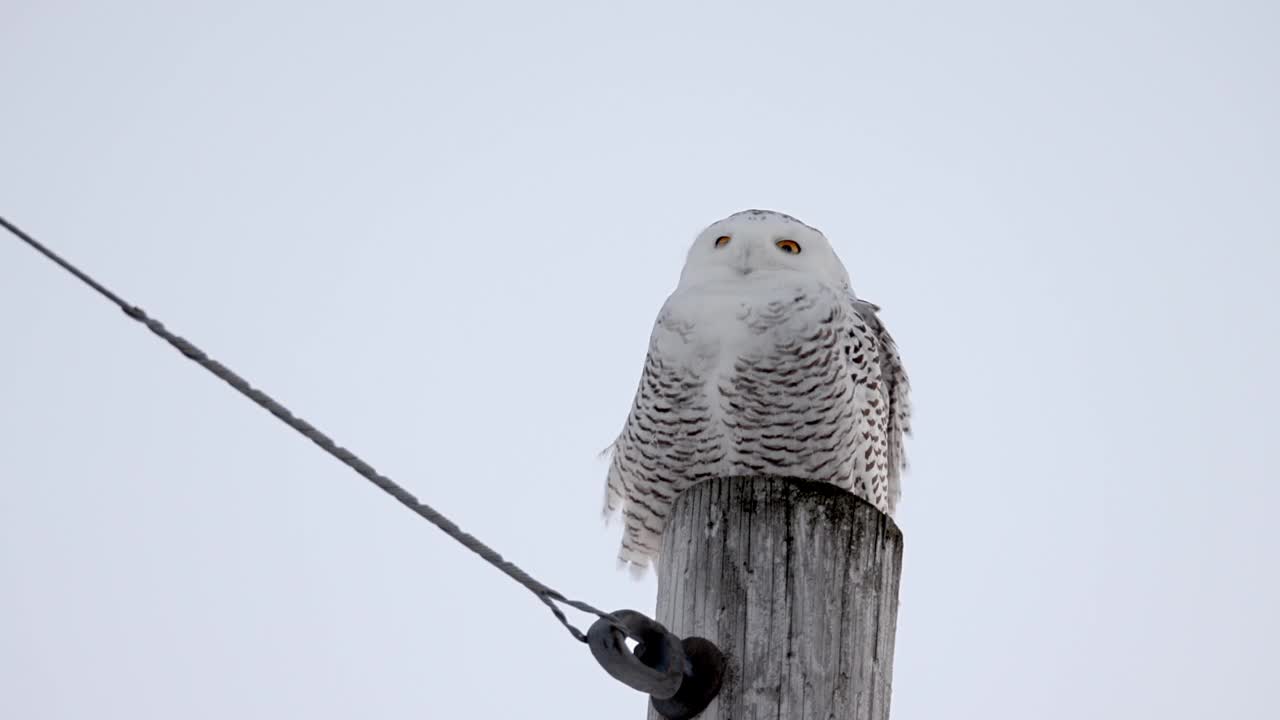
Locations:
column 797, row 583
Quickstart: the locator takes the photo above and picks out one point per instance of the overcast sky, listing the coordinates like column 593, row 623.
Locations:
column 441, row 232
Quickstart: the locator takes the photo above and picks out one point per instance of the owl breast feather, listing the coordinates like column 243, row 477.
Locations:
column 770, row 373
column 749, row 379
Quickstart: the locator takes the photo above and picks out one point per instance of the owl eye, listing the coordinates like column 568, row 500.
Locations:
column 789, row 246
column 723, row 240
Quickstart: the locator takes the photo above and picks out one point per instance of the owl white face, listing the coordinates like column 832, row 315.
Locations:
column 758, row 245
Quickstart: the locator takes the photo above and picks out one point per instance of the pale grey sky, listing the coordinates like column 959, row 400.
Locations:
column 441, row 232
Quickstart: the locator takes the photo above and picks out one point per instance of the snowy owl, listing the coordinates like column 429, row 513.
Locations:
column 763, row 361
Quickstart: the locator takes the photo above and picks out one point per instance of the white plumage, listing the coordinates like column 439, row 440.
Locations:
column 763, row 361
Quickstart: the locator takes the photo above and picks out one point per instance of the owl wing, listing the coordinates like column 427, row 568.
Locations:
column 615, row 491
column 896, row 391
column 669, row 440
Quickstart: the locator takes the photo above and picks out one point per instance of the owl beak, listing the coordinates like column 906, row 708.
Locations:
column 744, row 262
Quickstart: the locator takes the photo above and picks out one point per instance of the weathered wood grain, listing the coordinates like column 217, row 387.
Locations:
column 798, row 584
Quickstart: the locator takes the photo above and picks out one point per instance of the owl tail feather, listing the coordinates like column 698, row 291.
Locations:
column 636, row 564
column 613, row 487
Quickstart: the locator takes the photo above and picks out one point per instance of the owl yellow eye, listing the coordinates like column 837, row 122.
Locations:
column 723, row 240
column 789, row 246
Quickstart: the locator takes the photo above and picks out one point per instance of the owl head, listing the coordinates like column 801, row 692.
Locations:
column 759, row 245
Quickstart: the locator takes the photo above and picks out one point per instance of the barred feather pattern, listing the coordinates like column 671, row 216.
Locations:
column 797, row 378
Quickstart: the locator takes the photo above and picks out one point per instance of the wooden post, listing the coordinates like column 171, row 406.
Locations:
column 797, row 583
